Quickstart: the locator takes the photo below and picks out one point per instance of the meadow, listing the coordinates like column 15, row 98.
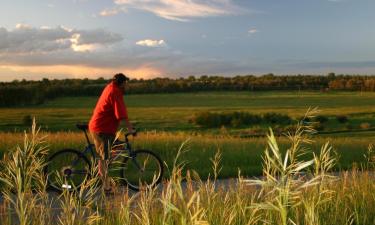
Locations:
column 164, row 125
column 171, row 112
column 293, row 190
column 305, row 178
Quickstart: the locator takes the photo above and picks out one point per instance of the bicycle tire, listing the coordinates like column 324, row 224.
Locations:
column 65, row 157
column 151, row 179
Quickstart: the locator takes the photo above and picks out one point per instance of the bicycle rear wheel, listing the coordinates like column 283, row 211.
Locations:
column 142, row 169
column 67, row 169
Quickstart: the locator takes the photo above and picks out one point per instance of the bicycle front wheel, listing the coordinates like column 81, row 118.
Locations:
column 67, row 169
column 142, row 169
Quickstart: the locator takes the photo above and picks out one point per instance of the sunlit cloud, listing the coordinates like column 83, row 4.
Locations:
column 151, row 43
column 81, row 47
column 22, row 26
column 184, row 10
column 253, row 31
column 25, row 39
column 110, row 12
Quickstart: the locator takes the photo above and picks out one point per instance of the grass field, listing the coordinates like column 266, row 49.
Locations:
column 283, row 195
column 171, row 112
column 238, row 153
column 164, row 121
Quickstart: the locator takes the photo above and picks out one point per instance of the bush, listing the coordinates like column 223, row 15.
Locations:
column 236, row 122
column 342, row 118
column 321, row 119
column 318, row 126
column 235, row 119
column 207, row 119
column 304, row 119
column 27, row 120
column 277, row 118
column 246, row 118
column 238, row 119
column 348, row 126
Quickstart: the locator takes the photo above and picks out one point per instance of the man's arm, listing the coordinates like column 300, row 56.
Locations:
column 121, row 112
column 129, row 126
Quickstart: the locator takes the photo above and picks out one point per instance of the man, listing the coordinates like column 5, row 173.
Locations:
column 109, row 111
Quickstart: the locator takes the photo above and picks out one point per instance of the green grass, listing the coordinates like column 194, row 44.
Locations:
column 238, row 154
column 283, row 196
column 167, row 115
column 171, row 112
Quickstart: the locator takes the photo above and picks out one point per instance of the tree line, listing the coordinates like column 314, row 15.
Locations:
column 37, row 92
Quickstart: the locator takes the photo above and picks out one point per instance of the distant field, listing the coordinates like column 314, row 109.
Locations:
column 171, row 112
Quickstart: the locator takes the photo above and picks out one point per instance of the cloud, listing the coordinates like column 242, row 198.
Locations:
column 36, row 48
column 97, row 36
column 65, row 51
column 151, row 43
column 110, row 12
column 183, row 10
column 25, row 39
column 253, row 31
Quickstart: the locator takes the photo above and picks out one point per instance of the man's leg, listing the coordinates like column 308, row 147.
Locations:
column 108, row 141
column 102, row 145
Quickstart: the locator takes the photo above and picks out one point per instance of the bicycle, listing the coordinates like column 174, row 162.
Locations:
column 138, row 168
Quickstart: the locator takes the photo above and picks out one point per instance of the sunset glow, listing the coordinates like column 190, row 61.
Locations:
column 80, row 38
column 82, row 71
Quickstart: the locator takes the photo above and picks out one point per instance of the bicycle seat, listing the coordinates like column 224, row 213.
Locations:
column 82, row 126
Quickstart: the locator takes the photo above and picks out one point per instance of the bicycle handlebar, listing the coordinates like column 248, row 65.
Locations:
column 131, row 133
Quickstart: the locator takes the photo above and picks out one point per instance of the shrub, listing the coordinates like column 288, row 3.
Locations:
column 238, row 119
column 303, row 119
column 277, row 118
column 318, row 126
column 235, row 119
column 342, row 118
column 236, row 122
column 321, row 119
column 247, row 118
column 27, row 120
column 207, row 119
column 348, row 126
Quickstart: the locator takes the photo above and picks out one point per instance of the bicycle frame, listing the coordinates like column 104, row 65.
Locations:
column 125, row 157
column 90, row 149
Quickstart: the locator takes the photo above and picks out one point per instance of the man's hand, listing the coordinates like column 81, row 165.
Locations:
column 130, row 127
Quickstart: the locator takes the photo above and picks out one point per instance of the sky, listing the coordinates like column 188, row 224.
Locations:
column 178, row 38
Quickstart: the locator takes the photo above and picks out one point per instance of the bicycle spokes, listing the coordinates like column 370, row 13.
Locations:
column 142, row 169
column 67, row 169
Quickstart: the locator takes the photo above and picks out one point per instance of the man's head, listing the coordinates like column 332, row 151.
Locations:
column 120, row 80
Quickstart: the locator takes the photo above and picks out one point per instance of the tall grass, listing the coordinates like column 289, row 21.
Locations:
column 297, row 187
column 237, row 153
column 80, row 207
column 22, row 173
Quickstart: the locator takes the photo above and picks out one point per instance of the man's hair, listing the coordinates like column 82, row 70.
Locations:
column 119, row 78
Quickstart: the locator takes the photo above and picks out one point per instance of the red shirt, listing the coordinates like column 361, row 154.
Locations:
column 109, row 111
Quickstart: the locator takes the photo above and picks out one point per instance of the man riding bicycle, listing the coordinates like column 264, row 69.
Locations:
column 109, row 111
